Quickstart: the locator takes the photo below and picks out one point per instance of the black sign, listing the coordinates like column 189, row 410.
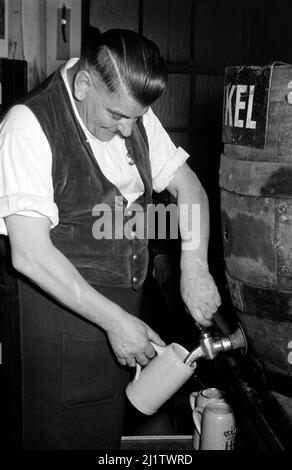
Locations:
column 246, row 97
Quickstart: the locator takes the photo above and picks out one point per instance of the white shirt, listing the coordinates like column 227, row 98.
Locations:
column 26, row 185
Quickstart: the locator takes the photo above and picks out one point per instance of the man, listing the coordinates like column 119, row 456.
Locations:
column 87, row 138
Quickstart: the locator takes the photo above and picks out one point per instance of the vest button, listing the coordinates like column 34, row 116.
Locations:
column 135, row 279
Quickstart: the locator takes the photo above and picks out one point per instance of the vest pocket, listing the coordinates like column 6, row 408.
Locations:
column 88, row 371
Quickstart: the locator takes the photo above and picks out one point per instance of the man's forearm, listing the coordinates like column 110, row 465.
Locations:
column 193, row 209
column 54, row 274
column 194, row 226
column 198, row 289
column 34, row 255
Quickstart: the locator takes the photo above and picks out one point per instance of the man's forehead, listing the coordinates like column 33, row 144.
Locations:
column 123, row 104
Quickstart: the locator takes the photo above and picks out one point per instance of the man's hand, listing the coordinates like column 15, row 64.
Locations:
column 130, row 339
column 200, row 293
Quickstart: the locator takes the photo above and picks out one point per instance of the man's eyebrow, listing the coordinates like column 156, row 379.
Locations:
column 114, row 111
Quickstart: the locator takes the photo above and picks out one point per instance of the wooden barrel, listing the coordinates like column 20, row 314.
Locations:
column 256, row 210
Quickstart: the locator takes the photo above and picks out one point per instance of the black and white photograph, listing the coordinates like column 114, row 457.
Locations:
column 145, row 230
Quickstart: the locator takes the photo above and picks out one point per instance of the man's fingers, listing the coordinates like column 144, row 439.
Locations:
column 155, row 338
column 150, row 351
column 122, row 361
column 200, row 318
column 218, row 299
column 142, row 359
column 131, row 362
column 127, row 361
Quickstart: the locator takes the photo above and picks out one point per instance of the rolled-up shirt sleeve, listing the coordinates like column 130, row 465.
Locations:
column 25, row 169
column 165, row 157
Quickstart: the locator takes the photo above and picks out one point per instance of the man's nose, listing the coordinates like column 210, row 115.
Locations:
column 126, row 128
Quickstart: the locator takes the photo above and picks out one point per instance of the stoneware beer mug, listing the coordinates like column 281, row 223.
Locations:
column 201, row 399
column 155, row 383
column 216, row 426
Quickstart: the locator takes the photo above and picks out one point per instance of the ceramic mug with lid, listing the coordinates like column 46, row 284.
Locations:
column 216, row 426
column 201, row 399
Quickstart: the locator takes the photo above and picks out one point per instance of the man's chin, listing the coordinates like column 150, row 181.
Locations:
column 105, row 135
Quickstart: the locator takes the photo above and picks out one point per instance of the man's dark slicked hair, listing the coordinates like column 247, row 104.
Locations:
column 123, row 57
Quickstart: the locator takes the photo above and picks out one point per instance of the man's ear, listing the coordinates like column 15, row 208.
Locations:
column 81, row 85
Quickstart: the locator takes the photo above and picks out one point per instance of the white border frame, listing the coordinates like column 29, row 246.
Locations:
column 4, row 42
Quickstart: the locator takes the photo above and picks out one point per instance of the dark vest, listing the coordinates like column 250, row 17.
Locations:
column 79, row 189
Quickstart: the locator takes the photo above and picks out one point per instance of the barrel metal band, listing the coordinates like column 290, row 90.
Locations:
column 256, row 178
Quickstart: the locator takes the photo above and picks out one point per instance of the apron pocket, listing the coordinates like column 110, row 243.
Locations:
column 88, row 371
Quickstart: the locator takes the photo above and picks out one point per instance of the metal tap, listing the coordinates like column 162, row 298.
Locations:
column 210, row 347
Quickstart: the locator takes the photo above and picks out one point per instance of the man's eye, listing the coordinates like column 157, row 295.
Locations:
column 116, row 117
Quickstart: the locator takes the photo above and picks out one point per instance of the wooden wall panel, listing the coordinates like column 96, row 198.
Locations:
column 271, row 32
column 155, row 23
column 27, row 37
column 75, row 31
column 219, row 32
column 168, row 23
column 173, row 108
column 180, row 21
column 181, row 139
column 108, row 14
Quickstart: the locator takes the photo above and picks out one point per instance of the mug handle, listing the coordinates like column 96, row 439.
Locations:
column 158, row 349
column 197, row 417
column 193, row 397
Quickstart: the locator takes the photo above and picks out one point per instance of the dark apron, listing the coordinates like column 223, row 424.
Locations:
column 71, row 387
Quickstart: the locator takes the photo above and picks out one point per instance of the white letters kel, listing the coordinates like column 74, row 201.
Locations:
column 241, row 105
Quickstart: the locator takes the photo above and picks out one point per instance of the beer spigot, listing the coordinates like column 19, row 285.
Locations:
column 209, row 347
